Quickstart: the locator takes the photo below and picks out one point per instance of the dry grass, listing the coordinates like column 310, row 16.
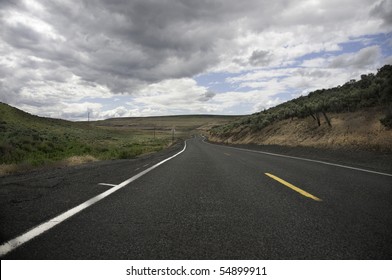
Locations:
column 77, row 160
column 6, row 169
column 360, row 130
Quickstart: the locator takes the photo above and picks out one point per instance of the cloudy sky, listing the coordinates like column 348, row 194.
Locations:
column 118, row 58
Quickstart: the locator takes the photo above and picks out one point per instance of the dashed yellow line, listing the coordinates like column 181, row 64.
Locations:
column 291, row 186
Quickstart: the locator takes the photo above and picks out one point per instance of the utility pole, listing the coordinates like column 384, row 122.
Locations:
column 173, row 130
column 88, row 121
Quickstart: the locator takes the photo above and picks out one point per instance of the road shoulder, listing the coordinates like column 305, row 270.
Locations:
column 29, row 199
column 375, row 161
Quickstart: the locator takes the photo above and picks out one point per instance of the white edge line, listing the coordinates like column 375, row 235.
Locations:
column 105, row 184
column 12, row 244
column 305, row 159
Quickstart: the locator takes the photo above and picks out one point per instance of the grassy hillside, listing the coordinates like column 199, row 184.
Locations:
column 352, row 115
column 35, row 141
column 28, row 141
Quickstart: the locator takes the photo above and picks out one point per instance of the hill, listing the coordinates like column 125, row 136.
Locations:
column 184, row 125
column 28, row 141
column 357, row 115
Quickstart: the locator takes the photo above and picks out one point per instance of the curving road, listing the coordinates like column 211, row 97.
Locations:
column 217, row 202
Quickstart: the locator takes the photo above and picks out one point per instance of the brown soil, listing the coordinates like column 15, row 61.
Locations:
column 358, row 131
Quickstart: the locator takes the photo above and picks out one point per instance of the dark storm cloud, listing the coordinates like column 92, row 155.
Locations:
column 122, row 44
column 208, row 95
column 260, row 58
column 10, row 3
column 70, row 49
column 21, row 36
column 144, row 41
column 383, row 10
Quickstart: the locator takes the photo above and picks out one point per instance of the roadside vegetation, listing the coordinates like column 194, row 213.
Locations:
column 372, row 90
column 28, row 141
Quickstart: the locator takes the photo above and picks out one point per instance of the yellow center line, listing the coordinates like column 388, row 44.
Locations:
column 287, row 184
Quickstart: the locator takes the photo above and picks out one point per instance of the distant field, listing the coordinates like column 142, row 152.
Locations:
column 28, row 141
column 163, row 126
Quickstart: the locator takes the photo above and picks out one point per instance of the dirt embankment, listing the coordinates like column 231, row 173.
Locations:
column 358, row 131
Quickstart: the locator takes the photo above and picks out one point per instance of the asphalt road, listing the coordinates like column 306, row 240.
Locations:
column 216, row 202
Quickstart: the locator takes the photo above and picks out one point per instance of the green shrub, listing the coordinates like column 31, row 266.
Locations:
column 387, row 120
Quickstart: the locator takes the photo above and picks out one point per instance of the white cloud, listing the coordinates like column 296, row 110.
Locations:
column 118, row 112
column 317, row 73
column 366, row 57
column 177, row 95
column 55, row 52
column 388, row 60
column 64, row 110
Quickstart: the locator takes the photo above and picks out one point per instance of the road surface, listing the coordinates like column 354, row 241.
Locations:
column 216, row 202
